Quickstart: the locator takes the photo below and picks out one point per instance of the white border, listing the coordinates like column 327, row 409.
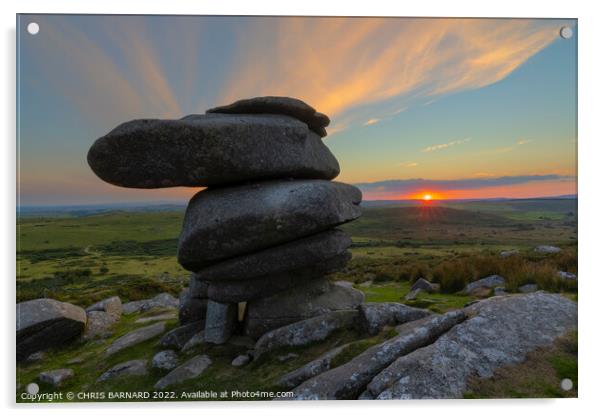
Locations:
column 590, row 232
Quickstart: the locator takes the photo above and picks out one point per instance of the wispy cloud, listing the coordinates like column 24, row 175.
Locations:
column 409, row 164
column 370, row 122
column 410, row 186
column 440, row 146
column 339, row 65
column 521, row 142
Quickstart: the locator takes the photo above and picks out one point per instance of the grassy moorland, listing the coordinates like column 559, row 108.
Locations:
column 82, row 259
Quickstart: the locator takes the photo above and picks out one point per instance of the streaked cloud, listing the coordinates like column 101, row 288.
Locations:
column 405, row 187
column 370, row 122
column 409, row 164
column 521, row 142
column 440, row 146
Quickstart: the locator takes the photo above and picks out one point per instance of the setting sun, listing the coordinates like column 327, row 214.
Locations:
column 427, row 197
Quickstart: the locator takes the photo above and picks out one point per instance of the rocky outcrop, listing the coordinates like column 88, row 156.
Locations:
column 264, row 226
column 110, row 306
column 312, row 299
column 45, row 323
column 374, row 316
column 160, row 301
column 500, row 331
column 304, row 332
column 350, row 379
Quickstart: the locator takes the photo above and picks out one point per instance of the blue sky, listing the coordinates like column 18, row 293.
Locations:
column 441, row 100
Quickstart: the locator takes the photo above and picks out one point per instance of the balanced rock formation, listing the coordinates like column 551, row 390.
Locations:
column 263, row 233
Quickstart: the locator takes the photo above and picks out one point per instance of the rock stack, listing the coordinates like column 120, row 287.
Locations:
column 262, row 236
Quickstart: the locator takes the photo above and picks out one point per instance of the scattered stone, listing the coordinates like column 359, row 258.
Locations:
column 344, row 283
column 347, row 381
column 423, row 284
column 76, row 361
column 56, row 377
column 507, row 253
column 271, row 213
column 159, row 317
column 37, row 356
column 487, row 283
column 374, row 316
column 413, row 294
column 165, row 360
column 134, row 367
column 110, row 305
column 306, row 331
column 266, row 286
column 547, row 249
column 499, row 291
column 194, row 341
column 45, row 323
column 221, row 319
column 213, row 149
column 241, row 360
column 163, row 300
column 312, row 299
column 178, row 337
column 278, row 105
column 133, row 306
column 99, row 324
column 311, row 369
column 136, row 336
column 500, row 332
column 192, row 368
column 288, row 357
column 567, row 275
column 527, row 288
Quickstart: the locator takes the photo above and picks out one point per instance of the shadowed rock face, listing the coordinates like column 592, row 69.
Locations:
column 315, row 298
column 227, row 222
column 278, row 105
column 297, row 254
column 207, row 150
column 500, row 331
column 45, row 323
column 268, row 285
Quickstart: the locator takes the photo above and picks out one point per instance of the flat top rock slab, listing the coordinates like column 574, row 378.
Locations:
column 190, row 369
column 500, row 331
column 136, row 336
column 292, row 255
column 227, row 222
column 209, row 150
column 349, row 380
column 278, row 105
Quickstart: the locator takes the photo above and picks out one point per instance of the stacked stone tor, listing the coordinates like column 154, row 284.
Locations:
column 264, row 230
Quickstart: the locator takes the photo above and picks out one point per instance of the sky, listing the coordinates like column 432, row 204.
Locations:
column 453, row 108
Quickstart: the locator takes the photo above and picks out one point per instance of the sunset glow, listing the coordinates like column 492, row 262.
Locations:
column 427, row 197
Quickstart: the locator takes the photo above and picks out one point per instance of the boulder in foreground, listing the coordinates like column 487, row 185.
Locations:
column 45, row 323
column 500, row 331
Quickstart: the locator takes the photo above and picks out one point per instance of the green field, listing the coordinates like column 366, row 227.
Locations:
column 85, row 258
